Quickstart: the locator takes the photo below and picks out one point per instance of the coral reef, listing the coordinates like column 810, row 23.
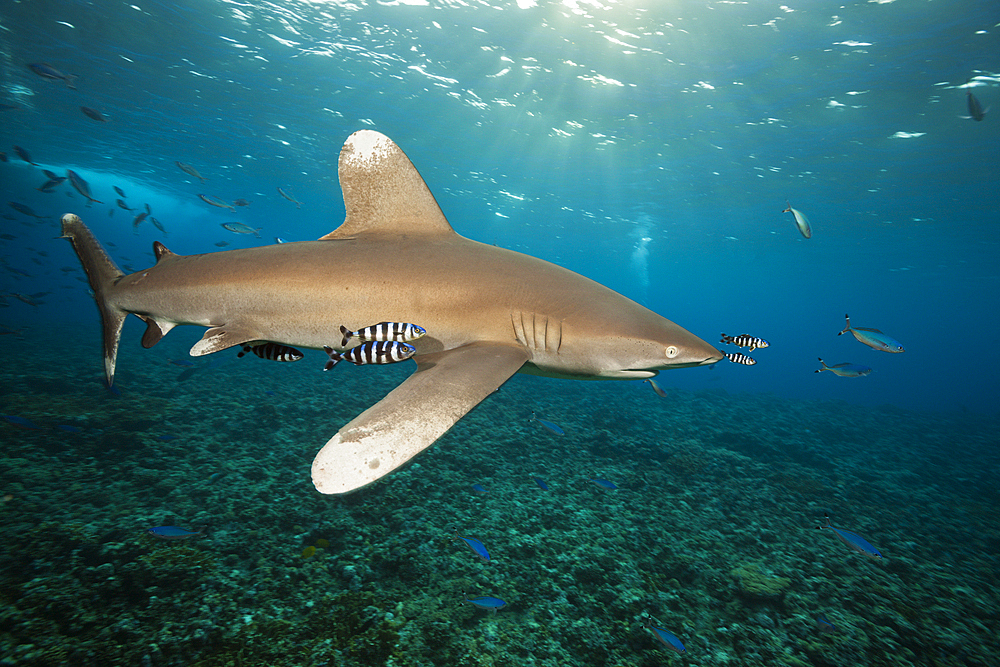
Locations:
column 712, row 529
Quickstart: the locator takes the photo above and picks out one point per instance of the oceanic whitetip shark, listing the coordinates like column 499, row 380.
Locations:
column 488, row 312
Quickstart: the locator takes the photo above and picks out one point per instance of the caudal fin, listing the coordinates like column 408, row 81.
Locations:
column 102, row 273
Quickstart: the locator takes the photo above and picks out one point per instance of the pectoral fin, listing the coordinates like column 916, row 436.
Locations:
column 221, row 338
column 413, row 415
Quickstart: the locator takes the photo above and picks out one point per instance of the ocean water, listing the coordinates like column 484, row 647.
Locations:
column 650, row 148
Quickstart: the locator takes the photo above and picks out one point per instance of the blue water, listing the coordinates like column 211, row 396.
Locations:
column 649, row 146
column 650, row 149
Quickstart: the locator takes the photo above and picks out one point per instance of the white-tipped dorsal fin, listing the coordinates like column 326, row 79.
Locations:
column 383, row 192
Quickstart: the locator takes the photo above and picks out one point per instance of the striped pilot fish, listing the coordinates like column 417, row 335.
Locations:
column 400, row 332
column 745, row 340
column 374, row 352
column 272, row 351
column 738, row 358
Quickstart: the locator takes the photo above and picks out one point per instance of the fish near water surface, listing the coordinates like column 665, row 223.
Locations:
column 81, row 185
column 975, row 109
column 190, row 171
column 94, row 114
column 395, row 258
column 290, row 198
column 24, row 155
column 801, row 221
column 215, row 201
column 47, row 71
column 240, row 228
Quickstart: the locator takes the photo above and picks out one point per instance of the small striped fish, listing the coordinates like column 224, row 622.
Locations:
column 745, row 340
column 375, row 352
column 397, row 331
column 272, row 351
column 738, row 358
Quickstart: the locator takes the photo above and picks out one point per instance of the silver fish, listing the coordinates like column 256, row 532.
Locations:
column 240, row 228
column 845, row 370
column 873, row 338
column 47, row 71
column 191, row 171
column 49, row 185
column 94, row 114
column 801, row 221
column 289, row 198
column 24, row 155
column 81, row 185
column 213, row 201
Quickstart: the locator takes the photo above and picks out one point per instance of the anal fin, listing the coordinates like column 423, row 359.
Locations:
column 413, row 415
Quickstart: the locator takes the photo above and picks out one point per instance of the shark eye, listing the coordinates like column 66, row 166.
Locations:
column 671, row 351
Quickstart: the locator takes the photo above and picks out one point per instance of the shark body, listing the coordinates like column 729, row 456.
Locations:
column 489, row 312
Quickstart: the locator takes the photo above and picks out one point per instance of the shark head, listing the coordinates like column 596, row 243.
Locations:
column 613, row 338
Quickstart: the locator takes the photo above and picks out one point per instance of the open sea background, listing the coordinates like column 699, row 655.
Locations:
column 652, row 149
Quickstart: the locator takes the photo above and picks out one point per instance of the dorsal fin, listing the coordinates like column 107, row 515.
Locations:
column 383, row 192
column 161, row 251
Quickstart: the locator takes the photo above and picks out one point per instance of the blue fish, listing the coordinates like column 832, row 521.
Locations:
column 541, row 483
column 845, row 370
column 548, row 426
column 486, row 602
column 173, row 533
column 21, row 422
column 476, row 546
column 166, row 437
column 852, row 540
column 67, row 428
column 605, row 484
column 873, row 338
column 664, row 637
column 479, row 488
column 825, row 625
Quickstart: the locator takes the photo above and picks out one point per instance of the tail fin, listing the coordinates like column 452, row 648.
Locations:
column 102, row 274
